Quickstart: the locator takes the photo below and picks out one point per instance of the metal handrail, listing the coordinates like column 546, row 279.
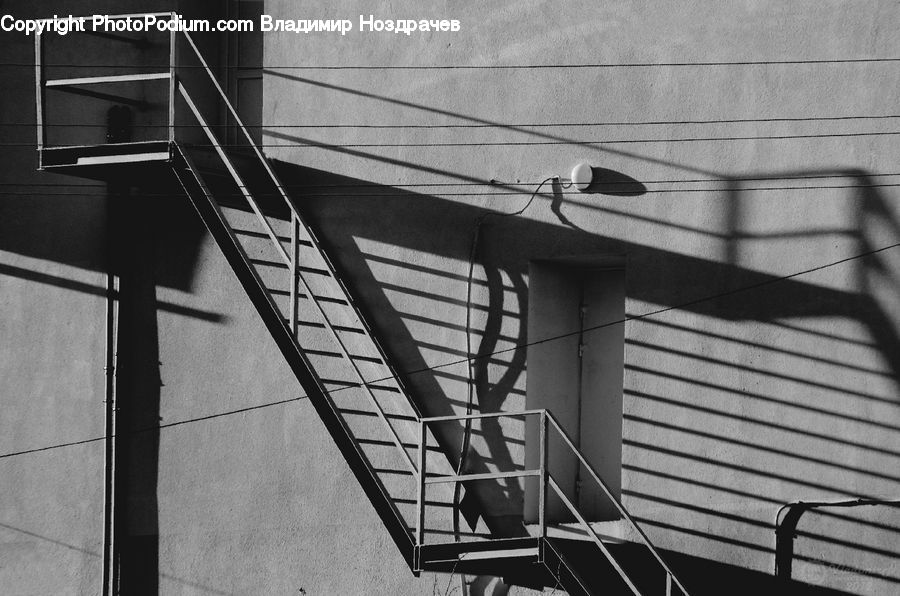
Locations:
column 541, row 472
column 482, row 416
column 116, row 17
column 346, row 354
column 546, row 480
column 175, row 87
column 584, row 523
column 547, row 418
column 289, row 259
column 621, row 509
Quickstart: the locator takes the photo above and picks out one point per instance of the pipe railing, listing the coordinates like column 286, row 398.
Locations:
column 176, row 88
column 545, row 481
column 545, row 478
column 290, row 260
column 86, row 85
column 183, row 48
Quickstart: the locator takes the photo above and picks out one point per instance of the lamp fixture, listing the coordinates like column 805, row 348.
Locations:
column 582, row 176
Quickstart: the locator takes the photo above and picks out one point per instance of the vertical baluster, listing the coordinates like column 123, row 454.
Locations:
column 39, row 91
column 420, row 499
column 172, row 83
column 295, row 257
column 542, row 489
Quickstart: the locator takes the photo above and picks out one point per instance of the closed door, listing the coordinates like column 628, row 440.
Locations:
column 577, row 374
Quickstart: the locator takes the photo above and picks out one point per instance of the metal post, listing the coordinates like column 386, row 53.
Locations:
column 109, row 479
column 542, row 492
column 39, row 92
column 172, row 83
column 668, row 584
column 295, row 257
column 420, row 499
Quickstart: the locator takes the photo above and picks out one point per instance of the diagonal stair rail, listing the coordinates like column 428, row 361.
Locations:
column 290, row 262
column 205, row 203
column 414, row 454
column 204, row 198
column 297, row 220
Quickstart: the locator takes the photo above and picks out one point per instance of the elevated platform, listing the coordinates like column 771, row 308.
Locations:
column 107, row 161
column 323, row 336
column 536, row 562
column 479, row 557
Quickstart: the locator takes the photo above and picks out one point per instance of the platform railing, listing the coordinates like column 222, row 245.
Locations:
column 290, row 260
column 105, row 87
column 176, row 89
column 178, row 54
column 548, row 427
column 185, row 67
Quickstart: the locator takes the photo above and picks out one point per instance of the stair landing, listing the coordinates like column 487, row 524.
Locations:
column 101, row 162
column 482, row 557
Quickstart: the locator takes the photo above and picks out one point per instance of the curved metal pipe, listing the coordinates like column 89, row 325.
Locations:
column 786, row 528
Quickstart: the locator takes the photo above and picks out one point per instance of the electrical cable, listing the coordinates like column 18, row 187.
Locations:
column 471, row 389
column 723, row 179
column 322, row 145
column 498, row 125
column 797, row 62
column 467, row 360
column 164, row 425
column 477, row 194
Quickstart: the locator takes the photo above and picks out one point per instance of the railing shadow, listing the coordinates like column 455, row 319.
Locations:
column 429, row 224
column 391, row 287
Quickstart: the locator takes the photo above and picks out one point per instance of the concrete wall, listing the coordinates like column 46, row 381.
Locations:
column 737, row 400
column 743, row 392
column 53, row 259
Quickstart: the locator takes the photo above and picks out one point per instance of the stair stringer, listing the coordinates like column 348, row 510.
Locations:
column 218, row 227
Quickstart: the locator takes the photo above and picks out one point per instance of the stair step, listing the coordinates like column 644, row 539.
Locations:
column 263, row 236
column 283, row 265
column 317, row 325
column 350, row 384
column 363, row 403
column 404, row 418
column 340, row 355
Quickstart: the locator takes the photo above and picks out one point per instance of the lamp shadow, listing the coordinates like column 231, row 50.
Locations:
column 342, row 208
column 615, row 184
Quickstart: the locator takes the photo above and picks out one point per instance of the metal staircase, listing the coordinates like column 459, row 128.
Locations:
column 391, row 448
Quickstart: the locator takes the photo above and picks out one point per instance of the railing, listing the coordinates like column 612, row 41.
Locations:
column 174, row 64
column 103, row 86
column 290, row 260
column 176, row 88
column 545, row 481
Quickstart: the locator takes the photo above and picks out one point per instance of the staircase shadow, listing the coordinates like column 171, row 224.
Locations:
column 352, row 214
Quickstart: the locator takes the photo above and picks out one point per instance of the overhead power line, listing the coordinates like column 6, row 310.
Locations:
column 529, row 185
column 499, row 124
column 623, row 186
column 481, row 356
column 598, row 142
column 591, row 65
column 560, row 66
column 157, row 427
